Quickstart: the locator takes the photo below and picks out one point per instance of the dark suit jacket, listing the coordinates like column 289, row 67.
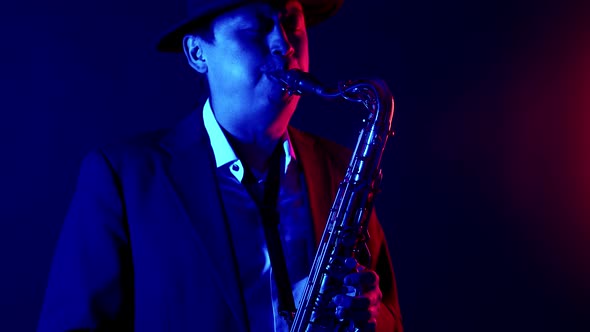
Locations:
column 145, row 244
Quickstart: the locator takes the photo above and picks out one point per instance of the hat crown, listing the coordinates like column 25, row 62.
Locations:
column 199, row 11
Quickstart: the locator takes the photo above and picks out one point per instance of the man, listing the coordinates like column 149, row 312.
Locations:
column 168, row 233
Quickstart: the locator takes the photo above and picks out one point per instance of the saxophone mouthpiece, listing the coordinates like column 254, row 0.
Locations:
column 298, row 82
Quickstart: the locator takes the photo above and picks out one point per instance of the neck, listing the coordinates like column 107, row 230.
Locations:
column 255, row 150
column 254, row 132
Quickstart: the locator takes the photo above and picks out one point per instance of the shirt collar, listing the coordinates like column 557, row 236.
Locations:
column 224, row 153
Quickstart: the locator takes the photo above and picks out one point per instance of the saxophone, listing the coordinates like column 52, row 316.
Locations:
column 346, row 230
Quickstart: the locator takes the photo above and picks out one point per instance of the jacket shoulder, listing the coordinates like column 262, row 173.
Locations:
column 139, row 152
column 334, row 152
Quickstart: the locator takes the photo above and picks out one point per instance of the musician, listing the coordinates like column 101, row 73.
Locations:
column 167, row 233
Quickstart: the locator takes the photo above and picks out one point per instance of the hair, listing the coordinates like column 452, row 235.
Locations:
column 203, row 28
column 205, row 32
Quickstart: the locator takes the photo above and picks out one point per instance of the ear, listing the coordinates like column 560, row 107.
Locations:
column 193, row 51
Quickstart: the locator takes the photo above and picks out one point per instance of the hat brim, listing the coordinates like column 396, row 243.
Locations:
column 314, row 11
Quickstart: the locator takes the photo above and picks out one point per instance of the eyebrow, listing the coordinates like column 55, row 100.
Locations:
column 292, row 8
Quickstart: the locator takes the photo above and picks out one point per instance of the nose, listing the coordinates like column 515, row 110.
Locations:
column 279, row 42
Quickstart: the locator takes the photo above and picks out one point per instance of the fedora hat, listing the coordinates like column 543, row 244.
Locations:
column 199, row 11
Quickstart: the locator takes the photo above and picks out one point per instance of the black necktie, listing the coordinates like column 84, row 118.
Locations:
column 266, row 193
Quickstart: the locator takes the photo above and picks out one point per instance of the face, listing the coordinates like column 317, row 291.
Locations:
column 249, row 42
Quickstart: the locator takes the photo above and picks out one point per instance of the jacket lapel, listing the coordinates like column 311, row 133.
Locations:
column 192, row 174
column 320, row 181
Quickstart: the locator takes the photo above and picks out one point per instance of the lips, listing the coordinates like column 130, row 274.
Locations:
column 278, row 74
column 274, row 71
column 278, row 65
column 279, row 89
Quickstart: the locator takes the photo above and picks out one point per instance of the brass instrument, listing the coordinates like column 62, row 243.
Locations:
column 345, row 234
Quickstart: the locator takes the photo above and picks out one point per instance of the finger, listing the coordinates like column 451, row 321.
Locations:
column 342, row 313
column 358, row 309
column 359, row 316
column 352, row 264
column 364, row 316
column 349, row 291
column 364, row 277
column 354, row 303
column 375, row 296
column 342, row 301
column 364, row 301
column 364, row 281
column 360, row 303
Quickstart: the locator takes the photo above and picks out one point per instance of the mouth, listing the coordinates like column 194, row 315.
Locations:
column 274, row 77
column 278, row 76
column 274, row 73
column 278, row 90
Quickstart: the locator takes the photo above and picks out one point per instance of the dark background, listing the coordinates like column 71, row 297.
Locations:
column 486, row 192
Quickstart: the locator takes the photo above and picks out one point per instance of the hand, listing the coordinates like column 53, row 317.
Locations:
column 361, row 303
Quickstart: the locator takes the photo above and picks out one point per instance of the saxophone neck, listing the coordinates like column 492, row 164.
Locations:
column 298, row 82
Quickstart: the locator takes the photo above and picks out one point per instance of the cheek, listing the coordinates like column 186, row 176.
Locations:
column 302, row 52
column 246, row 55
column 304, row 59
column 233, row 64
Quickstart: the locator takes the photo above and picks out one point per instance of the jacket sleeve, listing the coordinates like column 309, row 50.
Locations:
column 89, row 286
column 390, row 319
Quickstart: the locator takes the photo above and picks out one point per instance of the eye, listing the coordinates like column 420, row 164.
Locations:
column 293, row 22
column 258, row 25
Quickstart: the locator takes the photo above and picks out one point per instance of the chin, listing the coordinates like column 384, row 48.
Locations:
column 277, row 97
column 283, row 101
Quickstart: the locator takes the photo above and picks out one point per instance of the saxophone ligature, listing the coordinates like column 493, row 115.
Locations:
column 346, row 230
